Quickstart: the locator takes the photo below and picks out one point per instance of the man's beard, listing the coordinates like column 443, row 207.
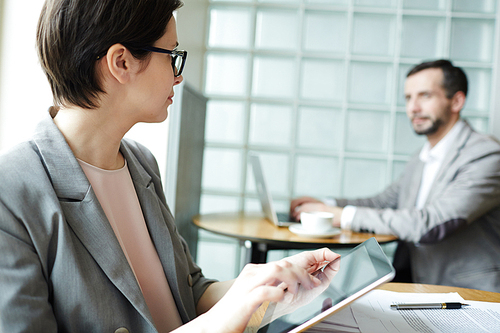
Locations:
column 435, row 124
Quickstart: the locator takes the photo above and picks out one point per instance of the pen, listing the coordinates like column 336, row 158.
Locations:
column 416, row 306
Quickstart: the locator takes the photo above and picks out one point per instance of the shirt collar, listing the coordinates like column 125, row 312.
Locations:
column 438, row 152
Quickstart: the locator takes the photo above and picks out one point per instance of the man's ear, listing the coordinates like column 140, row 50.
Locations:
column 457, row 102
column 120, row 62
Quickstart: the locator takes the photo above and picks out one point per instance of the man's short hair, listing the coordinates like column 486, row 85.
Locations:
column 73, row 34
column 454, row 78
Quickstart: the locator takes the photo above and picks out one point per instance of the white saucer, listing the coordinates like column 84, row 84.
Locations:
column 299, row 230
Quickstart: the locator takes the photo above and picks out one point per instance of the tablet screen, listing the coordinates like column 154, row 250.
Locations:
column 362, row 269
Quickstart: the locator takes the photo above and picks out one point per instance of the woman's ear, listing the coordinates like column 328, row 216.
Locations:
column 120, row 63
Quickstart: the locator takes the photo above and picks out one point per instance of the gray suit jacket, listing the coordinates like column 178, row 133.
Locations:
column 455, row 239
column 61, row 266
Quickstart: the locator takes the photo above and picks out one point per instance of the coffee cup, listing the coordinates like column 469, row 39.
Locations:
column 316, row 222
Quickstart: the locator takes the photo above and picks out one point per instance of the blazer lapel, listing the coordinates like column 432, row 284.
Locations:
column 158, row 230
column 449, row 159
column 88, row 221
column 84, row 214
column 415, row 182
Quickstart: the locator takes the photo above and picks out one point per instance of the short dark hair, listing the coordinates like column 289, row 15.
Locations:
column 73, row 34
column 454, row 78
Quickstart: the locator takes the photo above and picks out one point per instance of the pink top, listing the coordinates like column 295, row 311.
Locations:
column 116, row 194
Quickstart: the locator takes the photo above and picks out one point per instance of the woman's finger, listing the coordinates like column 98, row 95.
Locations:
column 311, row 261
column 274, row 274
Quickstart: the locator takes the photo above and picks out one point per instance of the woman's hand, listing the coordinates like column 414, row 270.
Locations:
column 293, row 281
column 292, row 302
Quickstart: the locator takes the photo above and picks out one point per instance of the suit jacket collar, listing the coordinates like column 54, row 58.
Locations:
column 68, row 180
column 418, row 166
column 451, row 156
column 84, row 214
column 416, row 180
column 445, row 145
column 153, row 210
column 454, row 150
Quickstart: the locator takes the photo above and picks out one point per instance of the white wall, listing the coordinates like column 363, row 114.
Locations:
column 24, row 92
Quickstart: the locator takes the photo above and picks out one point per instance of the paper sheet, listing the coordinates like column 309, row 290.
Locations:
column 372, row 313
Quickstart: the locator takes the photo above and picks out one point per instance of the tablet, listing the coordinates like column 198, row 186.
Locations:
column 362, row 269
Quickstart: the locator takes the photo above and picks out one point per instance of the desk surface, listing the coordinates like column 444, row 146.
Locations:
column 467, row 294
column 254, row 227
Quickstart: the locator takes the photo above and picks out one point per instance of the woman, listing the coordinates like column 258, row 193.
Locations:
column 87, row 241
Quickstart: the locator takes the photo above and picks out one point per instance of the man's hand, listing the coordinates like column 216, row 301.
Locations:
column 299, row 202
column 308, row 204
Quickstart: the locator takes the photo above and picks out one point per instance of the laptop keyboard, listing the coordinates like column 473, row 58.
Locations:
column 285, row 217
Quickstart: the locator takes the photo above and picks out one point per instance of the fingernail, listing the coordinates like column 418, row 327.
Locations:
column 316, row 282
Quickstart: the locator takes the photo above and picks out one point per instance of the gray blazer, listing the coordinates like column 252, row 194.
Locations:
column 455, row 239
column 61, row 266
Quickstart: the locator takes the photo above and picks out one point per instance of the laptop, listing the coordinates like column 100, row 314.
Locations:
column 280, row 219
column 361, row 270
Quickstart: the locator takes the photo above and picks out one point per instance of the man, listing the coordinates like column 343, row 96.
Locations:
column 445, row 207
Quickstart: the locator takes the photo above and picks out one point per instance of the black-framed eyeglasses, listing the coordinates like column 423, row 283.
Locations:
column 178, row 58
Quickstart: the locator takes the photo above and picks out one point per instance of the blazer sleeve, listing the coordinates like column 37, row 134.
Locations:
column 469, row 193
column 386, row 199
column 24, row 286
column 390, row 197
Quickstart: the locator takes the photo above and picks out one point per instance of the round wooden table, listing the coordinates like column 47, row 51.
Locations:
column 265, row 236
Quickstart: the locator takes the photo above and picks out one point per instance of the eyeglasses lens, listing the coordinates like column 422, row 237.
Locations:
column 176, row 64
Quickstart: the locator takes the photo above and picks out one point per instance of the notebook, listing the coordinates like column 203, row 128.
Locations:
column 280, row 219
column 362, row 269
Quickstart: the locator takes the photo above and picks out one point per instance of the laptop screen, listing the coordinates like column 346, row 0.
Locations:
column 361, row 270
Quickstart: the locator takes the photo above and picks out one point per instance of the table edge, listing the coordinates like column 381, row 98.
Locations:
column 302, row 244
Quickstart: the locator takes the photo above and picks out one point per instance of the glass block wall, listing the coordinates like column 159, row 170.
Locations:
column 316, row 88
